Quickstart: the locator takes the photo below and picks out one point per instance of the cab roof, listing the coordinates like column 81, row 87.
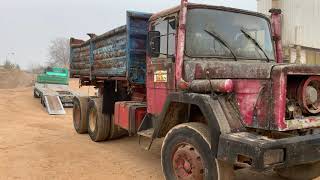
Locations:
column 204, row 6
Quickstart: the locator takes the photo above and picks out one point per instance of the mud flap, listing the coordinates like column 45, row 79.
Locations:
column 54, row 105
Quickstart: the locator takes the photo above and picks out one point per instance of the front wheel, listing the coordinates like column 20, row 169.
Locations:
column 186, row 154
column 301, row 172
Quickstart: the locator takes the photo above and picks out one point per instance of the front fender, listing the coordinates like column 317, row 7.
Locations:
column 210, row 107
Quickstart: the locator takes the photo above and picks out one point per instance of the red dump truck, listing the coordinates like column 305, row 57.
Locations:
column 209, row 80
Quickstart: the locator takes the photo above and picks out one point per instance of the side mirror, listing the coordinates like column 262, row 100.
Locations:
column 154, row 43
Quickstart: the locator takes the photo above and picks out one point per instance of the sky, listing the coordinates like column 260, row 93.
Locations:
column 28, row 26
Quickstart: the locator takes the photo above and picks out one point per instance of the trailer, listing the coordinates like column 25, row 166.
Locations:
column 208, row 80
column 52, row 87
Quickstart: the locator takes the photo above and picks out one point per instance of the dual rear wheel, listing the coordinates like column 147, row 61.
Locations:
column 80, row 114
column 98, row 123
column 89, row 118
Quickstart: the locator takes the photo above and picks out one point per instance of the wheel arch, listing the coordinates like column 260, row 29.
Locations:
column 175, row 112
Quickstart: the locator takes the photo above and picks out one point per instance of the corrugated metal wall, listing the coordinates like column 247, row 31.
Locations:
column 300, row 27
column 264, row 6
column 300, row 21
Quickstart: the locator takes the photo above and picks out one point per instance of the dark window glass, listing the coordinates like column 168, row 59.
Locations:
column 228, row 26
column 167, row 29
column 171, row 37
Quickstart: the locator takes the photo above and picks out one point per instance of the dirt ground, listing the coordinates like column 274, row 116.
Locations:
column 34, row 145
column 15, row 79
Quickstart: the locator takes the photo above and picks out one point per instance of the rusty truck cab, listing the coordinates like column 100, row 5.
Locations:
column 217, row 66
column 211, row 82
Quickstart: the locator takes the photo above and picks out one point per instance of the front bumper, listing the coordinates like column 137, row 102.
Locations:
column 296, row 150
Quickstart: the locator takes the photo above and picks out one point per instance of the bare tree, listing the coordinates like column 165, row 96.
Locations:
column 36, row 68
column 59, row 53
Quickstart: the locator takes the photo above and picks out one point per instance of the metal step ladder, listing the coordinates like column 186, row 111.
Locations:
column 146, row 129
column 146, row 133
column 54, row 105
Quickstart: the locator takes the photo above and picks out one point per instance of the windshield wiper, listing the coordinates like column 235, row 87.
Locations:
column 218, row 37
column 255, row 42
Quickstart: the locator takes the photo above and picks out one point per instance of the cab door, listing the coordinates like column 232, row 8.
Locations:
column 161, row 68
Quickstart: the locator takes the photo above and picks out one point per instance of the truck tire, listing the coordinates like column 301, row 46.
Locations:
column 186, row 154
column 35, row 94
column 43, row 101
column 80, row 122
column 116, row 131
column 98, row 124
column 300, row 172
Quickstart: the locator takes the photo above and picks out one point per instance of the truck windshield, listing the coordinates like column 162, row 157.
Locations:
column 229, row 26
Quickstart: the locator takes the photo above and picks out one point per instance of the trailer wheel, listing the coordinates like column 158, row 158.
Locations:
column 98, row 123
column 300, row 172
column 35, row 94
column 43, row 101
column 80, row 122
column 186, row 154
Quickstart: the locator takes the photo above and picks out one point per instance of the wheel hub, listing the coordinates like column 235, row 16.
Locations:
column 187, row 163
column 92, row 120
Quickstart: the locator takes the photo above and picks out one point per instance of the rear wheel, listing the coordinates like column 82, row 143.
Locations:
column 301, row 172
column 116, row 131
column 80, row 122
column 98, row 123
column 186, row 154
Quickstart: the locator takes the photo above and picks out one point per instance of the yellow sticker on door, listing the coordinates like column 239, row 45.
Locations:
column 160, row 76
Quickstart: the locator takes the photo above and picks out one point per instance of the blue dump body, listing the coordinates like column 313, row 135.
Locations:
column 120, row 52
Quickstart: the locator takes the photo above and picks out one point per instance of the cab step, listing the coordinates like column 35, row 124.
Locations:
column 148, row 134
column 146, row 129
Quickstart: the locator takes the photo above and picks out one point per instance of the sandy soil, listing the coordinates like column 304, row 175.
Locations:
column 34, row 145
column 15, row 79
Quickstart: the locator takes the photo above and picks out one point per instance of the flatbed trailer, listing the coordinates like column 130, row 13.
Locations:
column 54, row 97
column 208, row 80
column 52, row 87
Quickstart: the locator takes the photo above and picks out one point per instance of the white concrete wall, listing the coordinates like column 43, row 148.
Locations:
column 301, row 21
column 264, row 6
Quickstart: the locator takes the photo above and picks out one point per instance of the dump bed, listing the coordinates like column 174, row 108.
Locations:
column 119, row 53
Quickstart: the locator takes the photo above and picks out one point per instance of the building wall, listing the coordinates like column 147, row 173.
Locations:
column 300, row 21
column 264, row 6
column 307, row 56
column 300, row 27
